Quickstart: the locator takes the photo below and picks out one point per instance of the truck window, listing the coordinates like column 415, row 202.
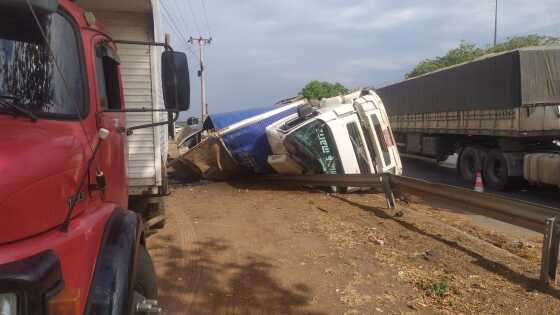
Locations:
column 313, row 147
column 358, row 145
column 28, row 74
column 382, row 139
column 107, row 75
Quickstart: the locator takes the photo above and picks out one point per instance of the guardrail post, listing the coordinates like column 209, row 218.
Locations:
column 550, row 251
column 389, row 195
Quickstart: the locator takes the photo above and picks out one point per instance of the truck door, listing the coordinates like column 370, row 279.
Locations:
column 376, row 122
column 113, row 151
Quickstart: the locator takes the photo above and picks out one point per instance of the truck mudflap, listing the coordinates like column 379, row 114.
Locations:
column 112, row 289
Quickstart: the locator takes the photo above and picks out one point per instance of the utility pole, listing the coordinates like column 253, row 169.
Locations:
column 496, row 23
column 201, row 43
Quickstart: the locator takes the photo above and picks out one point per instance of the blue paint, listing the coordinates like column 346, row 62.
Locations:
column 249, row 145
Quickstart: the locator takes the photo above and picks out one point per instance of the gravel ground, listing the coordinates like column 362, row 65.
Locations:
column 243, row 248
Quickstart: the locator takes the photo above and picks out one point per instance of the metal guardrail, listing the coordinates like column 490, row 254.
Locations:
column 539, row 218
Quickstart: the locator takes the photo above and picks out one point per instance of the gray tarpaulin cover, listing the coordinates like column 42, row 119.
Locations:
column 507, row 80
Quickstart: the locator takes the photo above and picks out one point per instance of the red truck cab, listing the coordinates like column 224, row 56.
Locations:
column 67, row 243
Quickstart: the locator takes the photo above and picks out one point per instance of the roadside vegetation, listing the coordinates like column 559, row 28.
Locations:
column 467, row 51
column 320, row 89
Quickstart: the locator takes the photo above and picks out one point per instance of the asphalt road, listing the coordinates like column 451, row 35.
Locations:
column 446, row 174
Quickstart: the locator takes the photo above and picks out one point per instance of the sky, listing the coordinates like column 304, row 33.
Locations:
column 266, row 50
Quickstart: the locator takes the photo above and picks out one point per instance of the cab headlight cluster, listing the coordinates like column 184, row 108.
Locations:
column 8, row 304
column 28, row 285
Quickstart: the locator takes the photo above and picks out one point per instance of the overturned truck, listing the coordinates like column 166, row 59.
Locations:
column 347, row 134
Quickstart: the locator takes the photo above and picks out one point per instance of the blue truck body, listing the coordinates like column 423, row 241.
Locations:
column 244, row 136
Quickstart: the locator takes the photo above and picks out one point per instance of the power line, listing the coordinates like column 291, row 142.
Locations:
column 193, row 16
column 177, row 29
column 173, row 24
column 206, row 17
column 183, row 11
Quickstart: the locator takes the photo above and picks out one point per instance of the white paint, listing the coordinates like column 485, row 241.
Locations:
column 255, row 119
column 337, row 113
column 141, row 74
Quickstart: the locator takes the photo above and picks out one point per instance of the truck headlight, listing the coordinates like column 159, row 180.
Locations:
column 28, row 284
column 8, row 304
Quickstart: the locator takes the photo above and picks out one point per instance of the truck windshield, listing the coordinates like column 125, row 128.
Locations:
column 312, row 146
column 28, row 74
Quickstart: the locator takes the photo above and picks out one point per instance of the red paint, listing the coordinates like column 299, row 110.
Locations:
column 41, row 164
column 76, row 249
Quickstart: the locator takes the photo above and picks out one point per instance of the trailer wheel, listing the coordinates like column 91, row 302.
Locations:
column 496, row 175
column 164, row 179
column 145, row 277
column 470, row 161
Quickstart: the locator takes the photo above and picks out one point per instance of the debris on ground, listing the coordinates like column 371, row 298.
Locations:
column 270, row 251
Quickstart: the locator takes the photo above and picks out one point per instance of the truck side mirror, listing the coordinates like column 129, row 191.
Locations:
column 175, row 77
column 41, row 6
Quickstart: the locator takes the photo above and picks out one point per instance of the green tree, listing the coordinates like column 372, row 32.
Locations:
column 465, row 52
column 319, row 90
column 524, row 41
column 468, row 52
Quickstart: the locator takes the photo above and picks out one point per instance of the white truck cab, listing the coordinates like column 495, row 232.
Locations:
column 347, row 134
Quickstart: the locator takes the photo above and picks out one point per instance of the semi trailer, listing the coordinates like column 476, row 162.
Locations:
column 499, row 113
column 69, row 104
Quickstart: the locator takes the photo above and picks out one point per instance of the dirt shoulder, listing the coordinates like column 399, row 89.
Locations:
column 240, row 248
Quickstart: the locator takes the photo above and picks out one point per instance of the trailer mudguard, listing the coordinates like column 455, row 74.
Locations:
column 111, row 290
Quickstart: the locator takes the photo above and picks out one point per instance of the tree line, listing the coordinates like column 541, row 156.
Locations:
column 465, row 52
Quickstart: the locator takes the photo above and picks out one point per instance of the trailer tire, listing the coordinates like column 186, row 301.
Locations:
column 145, row 277
column 496, row 173
column 164, row 179
column 470, row 161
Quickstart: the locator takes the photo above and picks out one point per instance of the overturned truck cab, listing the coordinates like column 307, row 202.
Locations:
column 347, row 134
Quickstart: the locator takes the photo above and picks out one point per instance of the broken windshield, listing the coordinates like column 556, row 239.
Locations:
column 29, row 75
column 313, row 147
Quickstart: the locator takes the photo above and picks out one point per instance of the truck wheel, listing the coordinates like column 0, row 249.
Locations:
column 470, row 161
column 145, row 277
column 496, row 170
column 164, row 179
column 157, row 209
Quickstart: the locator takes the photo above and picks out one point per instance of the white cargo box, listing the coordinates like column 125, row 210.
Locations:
column 138, row 20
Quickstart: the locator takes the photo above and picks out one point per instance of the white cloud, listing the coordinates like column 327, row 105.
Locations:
column 266, row 49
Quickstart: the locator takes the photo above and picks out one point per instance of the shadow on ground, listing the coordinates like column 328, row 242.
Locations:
column 529, row 284
column 196, row 282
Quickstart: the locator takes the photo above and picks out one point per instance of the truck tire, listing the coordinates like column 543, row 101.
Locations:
column 155, row 210
column 470, row 161
column 496, row 174
column 164, row 179
column 145, row 278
